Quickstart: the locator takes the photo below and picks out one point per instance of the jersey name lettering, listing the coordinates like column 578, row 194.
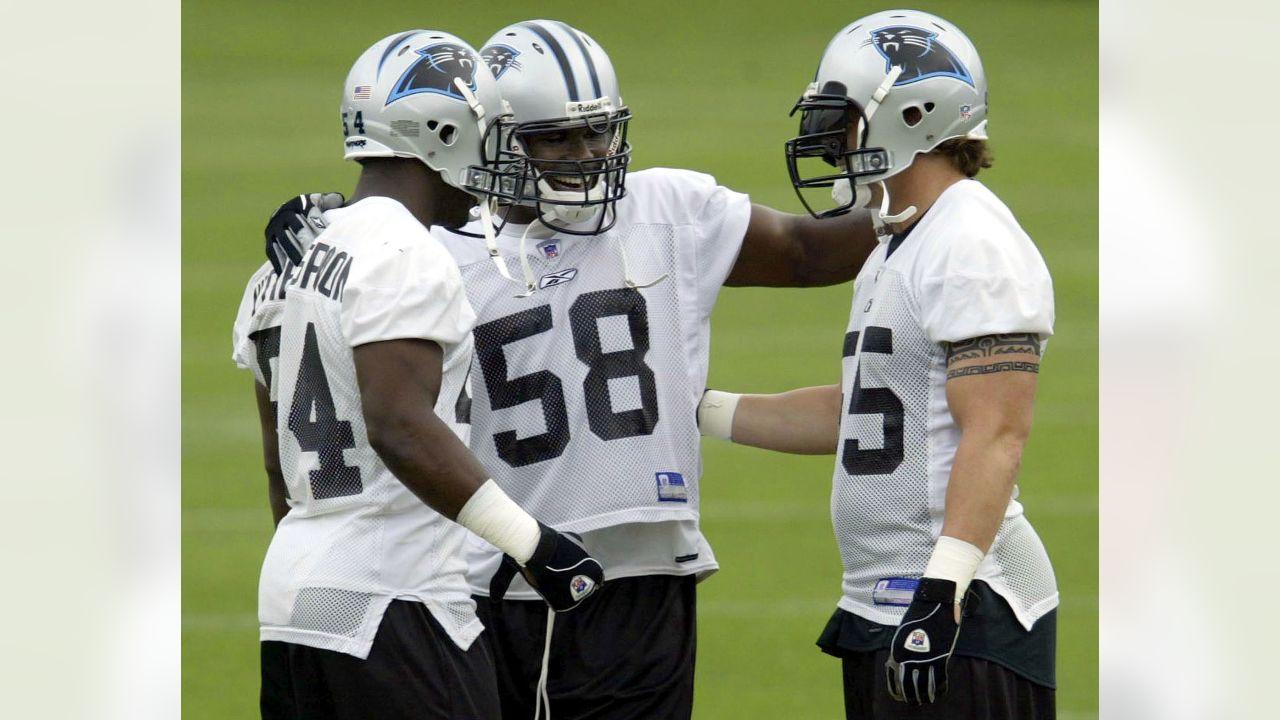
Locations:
column 325, row 271
column 271, row 288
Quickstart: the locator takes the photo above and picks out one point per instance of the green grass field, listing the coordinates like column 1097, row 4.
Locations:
column 710, row 85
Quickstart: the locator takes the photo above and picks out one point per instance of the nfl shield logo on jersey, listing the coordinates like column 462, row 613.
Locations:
column 917, row 641
column 550, row 250
column 671, row 487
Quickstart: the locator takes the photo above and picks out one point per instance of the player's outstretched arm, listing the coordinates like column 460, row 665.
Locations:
column 784, row 250
column 802, row 422
column 991, row 384
column 399, row 382
column 276, row 493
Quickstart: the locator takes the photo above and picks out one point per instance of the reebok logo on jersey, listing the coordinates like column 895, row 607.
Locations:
column 558, row 277
column 917, row 641
column 581, row 586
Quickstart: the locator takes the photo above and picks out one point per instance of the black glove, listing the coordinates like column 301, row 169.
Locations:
column 560, row 570
column 295, row 224
column 917, row 667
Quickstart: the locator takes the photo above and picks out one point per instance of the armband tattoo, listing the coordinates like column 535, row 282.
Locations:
column 993, row 346
column 996, row 367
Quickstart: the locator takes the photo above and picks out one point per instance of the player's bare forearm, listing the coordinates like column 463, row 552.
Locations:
column 429, row 459
column 399, row 382
column 783, row 250
column 802, row 422
column 276, row 493
column 991, row 384
column 982, row 480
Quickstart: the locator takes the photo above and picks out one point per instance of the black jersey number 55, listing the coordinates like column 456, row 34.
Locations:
column 873, row 401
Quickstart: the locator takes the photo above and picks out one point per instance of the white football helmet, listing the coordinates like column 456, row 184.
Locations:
column 555, row 77
column 906, row 81
column 423, row 94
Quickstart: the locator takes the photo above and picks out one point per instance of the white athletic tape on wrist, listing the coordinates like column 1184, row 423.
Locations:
column 715, row 414
column 956, row 560
column 497, row 518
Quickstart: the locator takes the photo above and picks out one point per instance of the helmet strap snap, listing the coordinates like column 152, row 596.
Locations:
column 884, row 215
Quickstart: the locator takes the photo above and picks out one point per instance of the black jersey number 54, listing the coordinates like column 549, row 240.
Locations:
column 546, row 386
column 325, row 435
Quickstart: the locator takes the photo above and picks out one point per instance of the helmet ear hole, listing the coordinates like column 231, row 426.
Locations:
column 928, row 107
column 432, row 125
column 912, row 115
column 448, row 134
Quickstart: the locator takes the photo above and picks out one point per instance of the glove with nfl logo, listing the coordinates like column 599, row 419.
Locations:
column 917, row 667
column 560, row 570
column 295, row 224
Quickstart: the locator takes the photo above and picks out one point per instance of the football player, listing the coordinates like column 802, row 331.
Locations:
column 592, row 344
column 949, row 598
column 363, row 602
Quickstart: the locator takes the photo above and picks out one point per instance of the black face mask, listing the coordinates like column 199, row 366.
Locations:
column 824, row 122
column 825, row 119
column 513, row 178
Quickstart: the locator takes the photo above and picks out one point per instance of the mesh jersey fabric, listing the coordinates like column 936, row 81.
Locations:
column 966, row 270
column 356, row 537
column 584, row 394
column 255, row 335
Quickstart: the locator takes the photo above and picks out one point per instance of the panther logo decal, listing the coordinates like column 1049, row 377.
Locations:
column 435, row 70
column 500, row 58
column 920, row 57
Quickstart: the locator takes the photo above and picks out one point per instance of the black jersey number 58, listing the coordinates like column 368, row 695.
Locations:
column 543, row 385
column 873, row 401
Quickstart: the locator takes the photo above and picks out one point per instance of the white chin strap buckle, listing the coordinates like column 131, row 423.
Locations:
column 844, row 192
column 555, row 212
column 884, row 215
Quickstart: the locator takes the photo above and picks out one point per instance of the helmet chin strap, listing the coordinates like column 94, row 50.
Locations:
column 883, row 213
column 844, row 192
column 487, row 205
column 860, row 194
column 530, row 286
column 877, row 97
column 491, row 244
column 555, row 212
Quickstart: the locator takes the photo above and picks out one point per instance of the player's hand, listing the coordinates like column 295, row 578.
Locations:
column 917, row 667
column 560, row 570
column 295, row 224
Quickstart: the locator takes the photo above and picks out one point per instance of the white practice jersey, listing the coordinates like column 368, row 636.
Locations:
column 255, row 336
column 585, row 393
column 966, row 270
column 356, row 537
